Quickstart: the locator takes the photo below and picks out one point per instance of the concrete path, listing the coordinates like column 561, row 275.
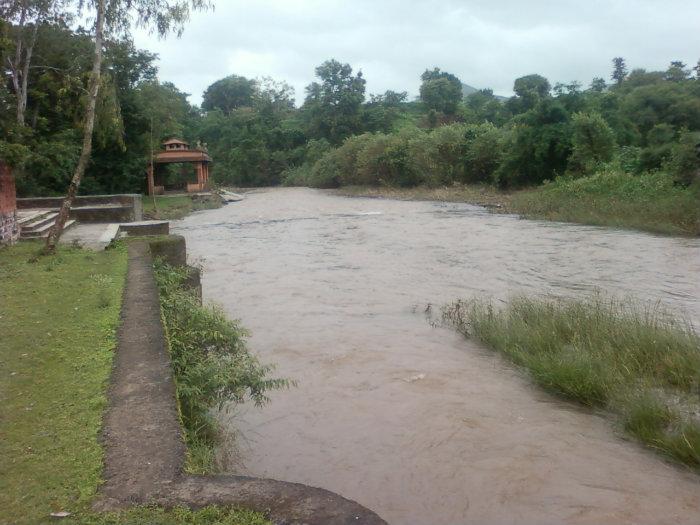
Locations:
column 94, row 236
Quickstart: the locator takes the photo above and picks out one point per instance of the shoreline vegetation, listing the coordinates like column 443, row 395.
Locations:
column 173, row 207
column 649, row 202
column 56, row 371
column 212, row 365
column 630, row 359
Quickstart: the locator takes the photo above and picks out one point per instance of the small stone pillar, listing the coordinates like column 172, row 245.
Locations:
column 9, row 228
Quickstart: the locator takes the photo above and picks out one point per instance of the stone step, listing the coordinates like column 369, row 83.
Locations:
column 39, row 222
column 44, row 230
column 26, row 218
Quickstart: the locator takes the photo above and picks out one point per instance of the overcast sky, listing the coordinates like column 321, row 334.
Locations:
column 485, row 43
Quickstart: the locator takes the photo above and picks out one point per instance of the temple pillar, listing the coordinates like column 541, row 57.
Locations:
column 200, row 175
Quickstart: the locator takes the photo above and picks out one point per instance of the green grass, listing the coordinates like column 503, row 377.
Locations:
column 169, row 207
column 633, row 360
column 175, row 516
column 649, row 202
column 58, row 317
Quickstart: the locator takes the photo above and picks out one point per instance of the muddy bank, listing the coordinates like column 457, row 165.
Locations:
column 412, row 420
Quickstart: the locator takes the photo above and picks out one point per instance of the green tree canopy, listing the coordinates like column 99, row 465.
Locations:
column 229, row 93
column 440, row 91
column 332, row 106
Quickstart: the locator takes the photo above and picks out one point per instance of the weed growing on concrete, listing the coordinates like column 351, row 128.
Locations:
column 211, row 363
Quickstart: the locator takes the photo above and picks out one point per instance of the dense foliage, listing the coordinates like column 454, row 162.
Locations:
column 640, row 122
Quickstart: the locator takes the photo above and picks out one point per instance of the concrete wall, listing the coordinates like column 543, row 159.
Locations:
column 93, row 208
column 9, row 229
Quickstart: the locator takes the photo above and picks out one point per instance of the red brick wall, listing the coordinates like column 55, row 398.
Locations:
column 9, row 230
column 8, row 197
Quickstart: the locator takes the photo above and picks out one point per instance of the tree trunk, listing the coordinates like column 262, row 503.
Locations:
column 93, row 90
column 22, row 95
column 15, row 69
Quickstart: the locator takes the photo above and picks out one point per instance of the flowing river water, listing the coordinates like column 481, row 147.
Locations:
column 411, row 420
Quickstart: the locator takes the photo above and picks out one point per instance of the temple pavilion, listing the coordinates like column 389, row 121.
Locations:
column 176, row 151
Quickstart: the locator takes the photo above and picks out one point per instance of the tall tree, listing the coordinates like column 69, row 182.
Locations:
column 160, row 17
column 529, row 90
column 440, row 91
column 229, row 93
column 27, row 16
column 598, row 85
column 619, row 70
column 677, row 71
column 332, row 106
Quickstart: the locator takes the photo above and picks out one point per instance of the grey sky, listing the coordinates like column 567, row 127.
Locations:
column 485, row 43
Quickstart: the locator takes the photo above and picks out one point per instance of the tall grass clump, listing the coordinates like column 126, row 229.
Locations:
column 211, row 363
column 632, row 359
column 651, row 201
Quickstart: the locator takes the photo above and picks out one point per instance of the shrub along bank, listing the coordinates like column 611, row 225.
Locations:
column 633, row 360
column 58, row 321
column 211, row 364
column 598, row 183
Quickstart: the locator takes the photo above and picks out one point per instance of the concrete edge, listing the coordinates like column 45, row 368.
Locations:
column 142, row 435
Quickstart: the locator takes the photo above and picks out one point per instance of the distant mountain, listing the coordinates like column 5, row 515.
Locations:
column 468, row 90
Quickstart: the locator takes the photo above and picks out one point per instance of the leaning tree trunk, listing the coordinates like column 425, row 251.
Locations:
column 89, row 125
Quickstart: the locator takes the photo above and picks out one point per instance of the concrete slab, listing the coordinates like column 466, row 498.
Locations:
column 145, row 228
column 229, row 196
column 94, row 236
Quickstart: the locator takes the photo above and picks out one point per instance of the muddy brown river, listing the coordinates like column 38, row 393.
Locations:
column 410, row 420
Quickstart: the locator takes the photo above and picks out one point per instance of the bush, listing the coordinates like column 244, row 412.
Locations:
column 483, row 152
column 211, row 363
column 684, row 163
column 410, row 157
column 592, row 141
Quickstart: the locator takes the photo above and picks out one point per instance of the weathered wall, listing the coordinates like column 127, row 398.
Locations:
column 93, row 208
column 9, row 229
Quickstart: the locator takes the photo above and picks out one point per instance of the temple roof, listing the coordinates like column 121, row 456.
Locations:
column 175, row 141
column 177, row 150
column 183, row 155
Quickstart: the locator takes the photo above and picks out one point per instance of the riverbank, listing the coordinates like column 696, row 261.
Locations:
column 635, row 361
column 172, row 207
column 648, row 202
column 58, row 319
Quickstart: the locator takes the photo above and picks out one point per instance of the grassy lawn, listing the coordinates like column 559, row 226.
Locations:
column 57, row 337
column 635, row 361
column 176, row 206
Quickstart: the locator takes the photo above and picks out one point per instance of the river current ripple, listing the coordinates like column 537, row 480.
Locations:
column 412, row 420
